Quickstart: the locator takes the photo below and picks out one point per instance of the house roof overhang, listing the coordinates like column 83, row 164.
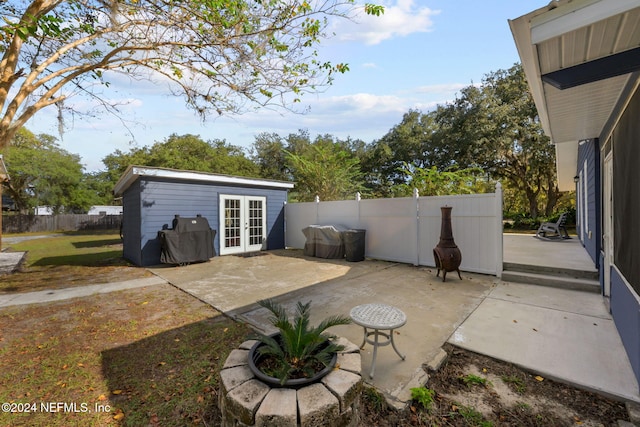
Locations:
column 582, row 62
column 134, row 172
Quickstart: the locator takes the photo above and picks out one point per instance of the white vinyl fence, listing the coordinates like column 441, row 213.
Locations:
column 407, row 229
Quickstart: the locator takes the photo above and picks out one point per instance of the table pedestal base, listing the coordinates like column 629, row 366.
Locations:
column 377, row 343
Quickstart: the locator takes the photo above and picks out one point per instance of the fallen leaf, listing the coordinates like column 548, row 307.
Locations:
column 225, row 329
column 116, row 392
column 102, row 397
column 515, row 321
column 200, row 399
column 144, row 303
column 484, row 370
column 80, row 365
column 539, row 378
column 162, row 363
column 118, row 416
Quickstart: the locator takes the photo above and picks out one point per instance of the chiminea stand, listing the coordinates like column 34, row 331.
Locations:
column 446, row 254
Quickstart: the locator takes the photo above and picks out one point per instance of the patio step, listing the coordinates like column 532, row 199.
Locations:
column 586, row 281
column 552, row 271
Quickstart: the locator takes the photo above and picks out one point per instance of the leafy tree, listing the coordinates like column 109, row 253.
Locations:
column 406, row 144
column 100, row 187
column 525, row 156
column 432, row 182
column 326, row 170
column 188, row 152
column 493, row 126
column 222, row 56
column 44, row 174
column 268, row 153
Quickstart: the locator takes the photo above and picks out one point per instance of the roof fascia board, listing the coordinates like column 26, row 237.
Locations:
column 520, row 30
column 133, row 172
column 576, row 14
column 599, row 69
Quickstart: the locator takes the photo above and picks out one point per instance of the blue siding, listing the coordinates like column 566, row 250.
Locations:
column 589, row 152
column 161, row 200
column 131, row 224
column 625, row 278
column 626, row 315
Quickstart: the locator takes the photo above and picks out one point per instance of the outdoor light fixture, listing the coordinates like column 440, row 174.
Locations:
column 576, row 179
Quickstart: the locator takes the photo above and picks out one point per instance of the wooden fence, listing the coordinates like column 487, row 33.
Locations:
column 68, row 222
column 407, row 229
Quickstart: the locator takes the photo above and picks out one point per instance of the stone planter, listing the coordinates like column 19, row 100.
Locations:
column 255, row 357
column 244, row 400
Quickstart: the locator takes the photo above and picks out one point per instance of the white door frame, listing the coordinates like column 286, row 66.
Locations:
column 243, row 223
column 585, row 202
column 607, row 214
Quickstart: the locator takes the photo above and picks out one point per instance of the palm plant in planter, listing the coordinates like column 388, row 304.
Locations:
column 298, row 353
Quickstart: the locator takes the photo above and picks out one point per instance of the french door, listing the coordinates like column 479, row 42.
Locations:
column 243, row 225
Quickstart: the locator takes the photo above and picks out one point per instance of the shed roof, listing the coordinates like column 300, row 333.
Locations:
column 581, row 59
column 134, row 172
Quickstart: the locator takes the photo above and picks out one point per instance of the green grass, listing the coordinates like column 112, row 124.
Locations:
column 152, row 356
column 81, row 249
column 517, row 383
column 473, row 418
column 149, row 356
column 471, row 380
column 70, row 259
column 423, row 396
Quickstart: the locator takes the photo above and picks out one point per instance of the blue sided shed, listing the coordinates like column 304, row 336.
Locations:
column 247, row 213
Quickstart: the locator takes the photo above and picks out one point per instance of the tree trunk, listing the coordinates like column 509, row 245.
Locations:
column 553, row 194
column 532, row 198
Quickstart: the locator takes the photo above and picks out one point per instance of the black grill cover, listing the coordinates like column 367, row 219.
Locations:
column 191, row 240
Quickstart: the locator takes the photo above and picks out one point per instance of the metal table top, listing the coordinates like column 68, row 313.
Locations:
column 378, row 316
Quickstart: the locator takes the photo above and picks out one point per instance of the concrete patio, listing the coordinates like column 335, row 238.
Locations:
column 560, row 334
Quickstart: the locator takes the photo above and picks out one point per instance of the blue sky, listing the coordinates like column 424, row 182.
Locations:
column 419, row 54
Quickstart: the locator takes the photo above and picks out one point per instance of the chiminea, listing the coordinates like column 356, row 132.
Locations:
column 446, row 254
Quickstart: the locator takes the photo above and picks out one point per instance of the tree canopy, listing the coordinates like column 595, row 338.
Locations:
column 222, row 56
column 493, row 126
column 43, row 174
column 188, row 152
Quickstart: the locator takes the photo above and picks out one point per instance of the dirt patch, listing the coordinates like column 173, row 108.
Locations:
column 474, row 390
column 140, row 357
column 59, row 277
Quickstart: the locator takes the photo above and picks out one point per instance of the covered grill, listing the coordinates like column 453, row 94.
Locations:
column 190, row 240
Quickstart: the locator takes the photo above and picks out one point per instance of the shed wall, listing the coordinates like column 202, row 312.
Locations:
column 160, row 200
column 131, row 236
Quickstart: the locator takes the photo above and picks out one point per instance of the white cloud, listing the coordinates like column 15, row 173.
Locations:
column 441, row 88
column 398, row 20
column 363, row 116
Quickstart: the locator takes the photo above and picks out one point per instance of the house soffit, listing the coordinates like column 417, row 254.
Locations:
column 581, row 112
column 569, row 34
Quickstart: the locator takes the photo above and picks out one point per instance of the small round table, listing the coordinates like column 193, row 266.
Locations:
column 375, row 318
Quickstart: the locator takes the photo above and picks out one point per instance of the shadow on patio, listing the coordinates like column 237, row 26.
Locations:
column 434, row 309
